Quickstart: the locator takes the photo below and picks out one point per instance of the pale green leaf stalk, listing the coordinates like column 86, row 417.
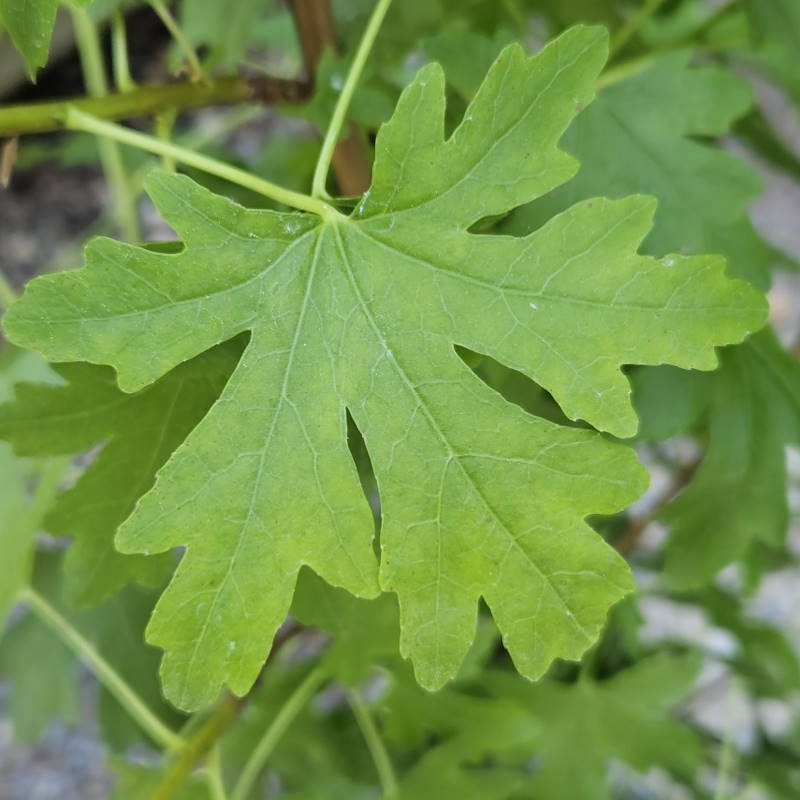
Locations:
column 104, row 672
column 343, row 103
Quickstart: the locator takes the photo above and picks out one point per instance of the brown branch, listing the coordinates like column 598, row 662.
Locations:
column 316, row 31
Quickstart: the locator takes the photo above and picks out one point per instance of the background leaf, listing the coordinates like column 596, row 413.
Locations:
column 139, row 432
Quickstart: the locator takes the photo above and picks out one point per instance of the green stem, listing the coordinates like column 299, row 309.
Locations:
column 164, row 124
column 20, row 557
column 216, row 787
column 50, row 476
column 290, row 709
column 630, row 67
column 79, row 121
column 146, row 100
column 196, row 747
column 200, row 140
column 625, row 69
column 7, row 293
column 88, row 42
column 728, row 755
column 716, row 17
column 119, row 53
column 343, row 103
column 105, row 673
column 516, row 13
column 383, row 764
column 195, row 70
column 629, row 29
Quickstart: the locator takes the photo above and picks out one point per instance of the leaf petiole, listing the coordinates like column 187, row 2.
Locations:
column 104, row 672
column 631, row 27
column 283, row 719
column 197, row 746
column 91, row 56
column 119, row 54
column 343, row 103
column 383, row 764
column 165, row 15
column 80, row 121
column 213, row 770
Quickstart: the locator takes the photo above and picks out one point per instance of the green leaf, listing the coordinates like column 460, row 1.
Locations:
column 30, row 24
column 505, row 722
column 479, row 499
column 371, row 105
column 624, row 718
column 39, row 693
column 776, row 29
column 438, row 774
column 465, row 56
column 363, row 631
column 226, row 29
column 668, row 400
column 738, row 496
column 640, row 135
column 140, row 432
column 643, row 134
column 117, row 629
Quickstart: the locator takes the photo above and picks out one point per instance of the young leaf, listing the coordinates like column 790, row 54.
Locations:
column 144, row 429
column 478, row 498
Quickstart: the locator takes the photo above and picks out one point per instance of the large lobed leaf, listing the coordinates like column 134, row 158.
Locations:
column 479, row 499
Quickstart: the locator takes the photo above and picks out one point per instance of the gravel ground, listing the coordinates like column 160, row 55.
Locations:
column 68, row 763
